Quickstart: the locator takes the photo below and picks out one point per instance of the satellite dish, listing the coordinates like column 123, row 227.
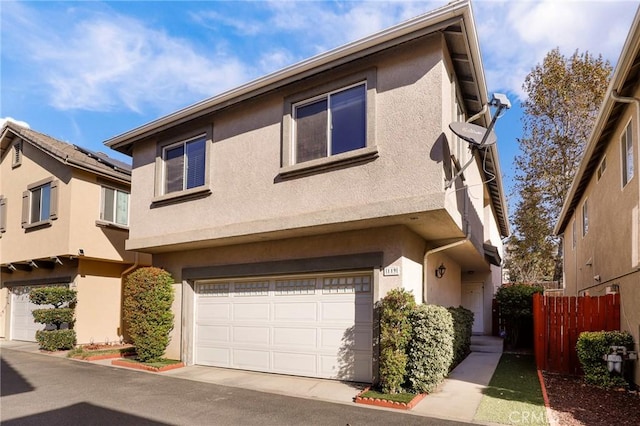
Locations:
column 473, row 133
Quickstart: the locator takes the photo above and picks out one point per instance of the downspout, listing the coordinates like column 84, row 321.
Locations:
column 122, row 278
column 628, row 100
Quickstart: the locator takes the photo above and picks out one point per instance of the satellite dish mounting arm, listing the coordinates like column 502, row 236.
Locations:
column 501, row 102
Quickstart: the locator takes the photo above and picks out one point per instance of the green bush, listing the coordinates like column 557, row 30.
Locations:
column 516, row 307
column 56, row 296
column 591, row 347
column 54, row 316
column 395, row 332
column 148, row 295
column 56, row 340
column 462, row 326
column 430, row 348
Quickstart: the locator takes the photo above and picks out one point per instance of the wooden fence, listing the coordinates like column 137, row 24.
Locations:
column 558, row 321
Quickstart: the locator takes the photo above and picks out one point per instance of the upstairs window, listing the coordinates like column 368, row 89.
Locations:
column 585, row 218
column 3, row 215
column 39, row 203
column 602, row 167
column 184, row 165
column 330, row 124
column 115, row 206
column 626, row 144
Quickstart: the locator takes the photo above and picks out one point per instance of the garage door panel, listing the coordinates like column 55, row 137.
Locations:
column 251, row 311
column 299, row 311
column 295, row 363
column 213, row 333
column 295, row 337
column 342, row 311
column 214, row 356
column 251, row 359
column 214, row 311
column 251, row 334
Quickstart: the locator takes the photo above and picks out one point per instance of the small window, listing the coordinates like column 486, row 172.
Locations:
column 115, row 206
column 626, row 144
column 39, row 203
column 602, row 167
column 17, row 153
column 184, row 165
column 3, row 215
column 585, row 218
column 330, row 124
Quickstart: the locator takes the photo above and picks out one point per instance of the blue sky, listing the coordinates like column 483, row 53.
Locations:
column 86, row 71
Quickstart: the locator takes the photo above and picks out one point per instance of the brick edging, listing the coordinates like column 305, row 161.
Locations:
column 389, row 404
column 550, row 414
column 127, row 364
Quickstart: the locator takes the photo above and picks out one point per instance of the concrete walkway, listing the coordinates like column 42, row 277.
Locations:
column 456, row 399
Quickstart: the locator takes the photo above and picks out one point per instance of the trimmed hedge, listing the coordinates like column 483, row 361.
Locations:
column 395, row 332
column 54, row 316
column 462, row 327
column 430, row 348
column 56, row 340
column 148, row 295
column 591, row 347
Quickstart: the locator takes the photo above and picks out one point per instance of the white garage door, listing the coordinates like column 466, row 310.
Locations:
column 315, row 326
column 22, row 325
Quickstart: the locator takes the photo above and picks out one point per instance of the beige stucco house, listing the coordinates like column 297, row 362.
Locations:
column 285, row 208
column 63, row 221
column 600, row 220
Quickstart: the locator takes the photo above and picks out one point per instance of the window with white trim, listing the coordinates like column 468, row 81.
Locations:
column 330, row 124
column 626, row 144
column 585, row 218
column 184, row 165
column 114, row 206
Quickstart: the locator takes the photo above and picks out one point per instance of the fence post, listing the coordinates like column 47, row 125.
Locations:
column 539, row 332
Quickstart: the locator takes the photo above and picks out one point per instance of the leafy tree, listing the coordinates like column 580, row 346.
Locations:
column 63, row 300
column 564, row 96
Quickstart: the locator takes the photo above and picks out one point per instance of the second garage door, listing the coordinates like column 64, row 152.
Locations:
column 315, row 326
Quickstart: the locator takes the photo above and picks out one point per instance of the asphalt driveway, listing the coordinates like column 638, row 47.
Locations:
column 38, row 389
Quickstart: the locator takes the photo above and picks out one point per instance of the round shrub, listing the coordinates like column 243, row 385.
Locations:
column 148, row 295
column 430, row 347
column 591, row 347
column 395, row 332
column 56, row 296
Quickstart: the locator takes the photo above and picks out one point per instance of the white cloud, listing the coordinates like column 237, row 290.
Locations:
column 516, row 35
column 103, row 61
column 4, row 120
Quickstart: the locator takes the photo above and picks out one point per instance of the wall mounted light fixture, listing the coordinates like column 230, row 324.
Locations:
column 440, row 270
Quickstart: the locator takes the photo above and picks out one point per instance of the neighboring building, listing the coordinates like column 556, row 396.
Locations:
column 282, row 231
column 600, row 220
column 63, row 221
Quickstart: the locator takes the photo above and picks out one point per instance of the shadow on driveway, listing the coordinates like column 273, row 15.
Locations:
column 12, row 382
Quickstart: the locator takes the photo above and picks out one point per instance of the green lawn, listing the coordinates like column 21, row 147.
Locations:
column 513, row 395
